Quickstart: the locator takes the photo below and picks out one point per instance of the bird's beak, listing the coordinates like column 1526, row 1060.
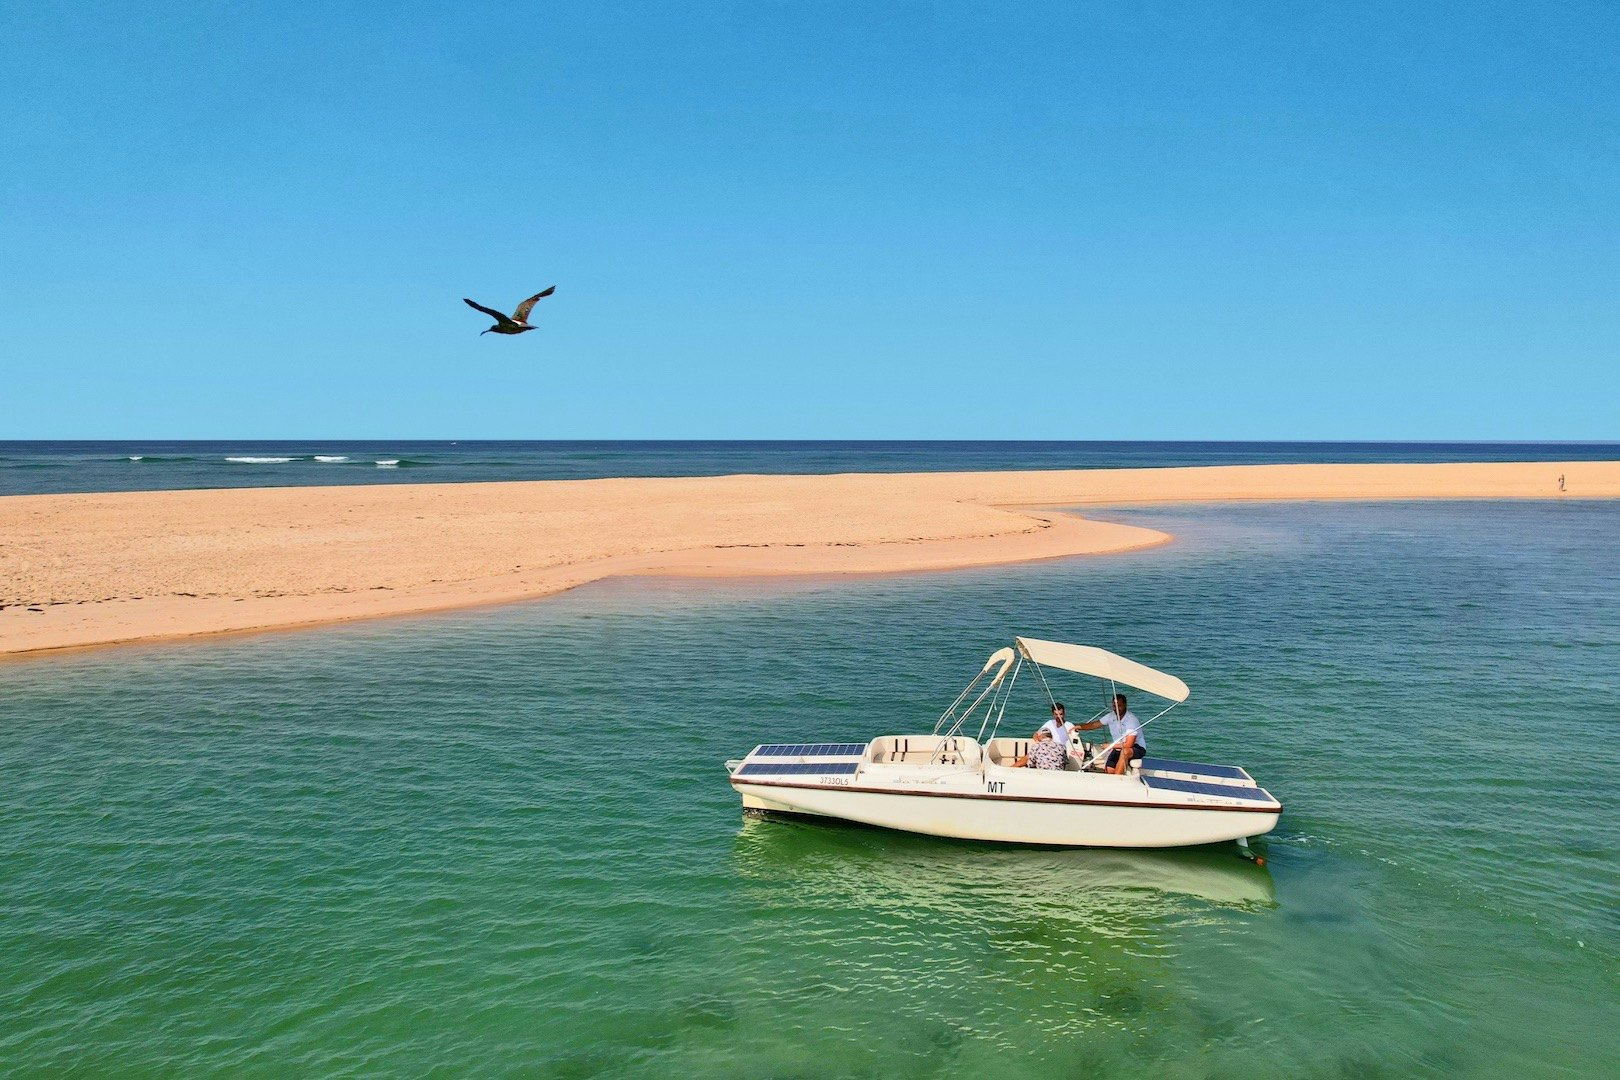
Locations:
column 481, row 333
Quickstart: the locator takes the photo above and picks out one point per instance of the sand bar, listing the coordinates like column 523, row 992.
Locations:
column 83, row 570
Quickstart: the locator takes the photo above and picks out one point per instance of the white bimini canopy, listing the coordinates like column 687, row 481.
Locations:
column 1089, row 660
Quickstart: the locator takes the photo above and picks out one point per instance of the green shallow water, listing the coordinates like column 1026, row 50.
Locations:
column 502, row 842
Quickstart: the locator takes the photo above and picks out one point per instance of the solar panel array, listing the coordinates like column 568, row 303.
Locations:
column 794, row 768
column 1171, row 765
column 820, row 749
column 1228, row 791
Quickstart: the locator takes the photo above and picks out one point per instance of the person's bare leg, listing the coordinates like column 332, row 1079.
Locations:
column 1126, row 749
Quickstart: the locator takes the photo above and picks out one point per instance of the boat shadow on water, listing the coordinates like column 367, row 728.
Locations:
column 885, row 868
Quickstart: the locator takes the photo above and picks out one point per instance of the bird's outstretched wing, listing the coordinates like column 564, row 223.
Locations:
column 491, row 312
column 523, row 309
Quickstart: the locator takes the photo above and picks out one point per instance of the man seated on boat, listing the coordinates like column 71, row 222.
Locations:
column 1058, row 727
column 1044, row 753
column 1125, row 732
column 1050, row 748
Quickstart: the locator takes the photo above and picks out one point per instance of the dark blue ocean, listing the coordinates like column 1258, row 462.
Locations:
column 47, row 467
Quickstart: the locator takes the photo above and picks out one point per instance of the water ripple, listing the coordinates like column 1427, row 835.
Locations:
column 502, row 841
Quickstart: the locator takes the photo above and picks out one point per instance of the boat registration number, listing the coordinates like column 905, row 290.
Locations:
column 835, row 781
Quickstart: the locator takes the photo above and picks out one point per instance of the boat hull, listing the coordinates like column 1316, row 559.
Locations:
column 1013, row 819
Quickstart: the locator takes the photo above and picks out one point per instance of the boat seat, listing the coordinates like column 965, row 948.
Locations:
column 916, row 757
column 1020, row 748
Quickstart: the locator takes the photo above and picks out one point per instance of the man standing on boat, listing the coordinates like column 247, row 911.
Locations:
column 1124, row 731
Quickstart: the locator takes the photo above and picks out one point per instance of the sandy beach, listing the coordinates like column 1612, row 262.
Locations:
column 86, row 570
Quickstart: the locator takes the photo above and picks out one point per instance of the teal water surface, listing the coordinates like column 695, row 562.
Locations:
column 501, row 842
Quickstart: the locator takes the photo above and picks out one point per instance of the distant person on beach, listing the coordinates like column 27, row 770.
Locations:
column 1125, row 731
column 1560, row 483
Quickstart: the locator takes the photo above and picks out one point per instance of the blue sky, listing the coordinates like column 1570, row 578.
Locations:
column 811, row 220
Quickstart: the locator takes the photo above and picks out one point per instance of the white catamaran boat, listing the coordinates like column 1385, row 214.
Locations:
column 951, row 783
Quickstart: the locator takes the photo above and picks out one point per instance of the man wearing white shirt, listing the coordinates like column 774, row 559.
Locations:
column 1125, row 732
column 1059, row 728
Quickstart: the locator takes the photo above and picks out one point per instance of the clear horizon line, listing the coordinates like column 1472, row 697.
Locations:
column 807, row 440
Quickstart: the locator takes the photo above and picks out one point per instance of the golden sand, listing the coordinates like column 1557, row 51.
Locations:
column 80, row 570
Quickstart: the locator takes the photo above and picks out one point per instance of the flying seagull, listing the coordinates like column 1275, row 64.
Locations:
column 519, row 320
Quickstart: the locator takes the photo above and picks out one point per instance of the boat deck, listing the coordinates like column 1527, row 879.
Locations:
column 1193, row 787
column 809, row 750
column 798, row 768
column 1195, row 769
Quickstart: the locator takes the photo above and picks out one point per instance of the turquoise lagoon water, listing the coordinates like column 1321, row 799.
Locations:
column 501, row 842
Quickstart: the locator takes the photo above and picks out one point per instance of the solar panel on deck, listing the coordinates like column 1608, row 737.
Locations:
column 1161, row 783
column 821, row 749
column 1170, row 765
column 784, row 768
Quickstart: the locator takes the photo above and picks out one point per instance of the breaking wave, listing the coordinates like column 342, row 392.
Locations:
column 260, row 460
